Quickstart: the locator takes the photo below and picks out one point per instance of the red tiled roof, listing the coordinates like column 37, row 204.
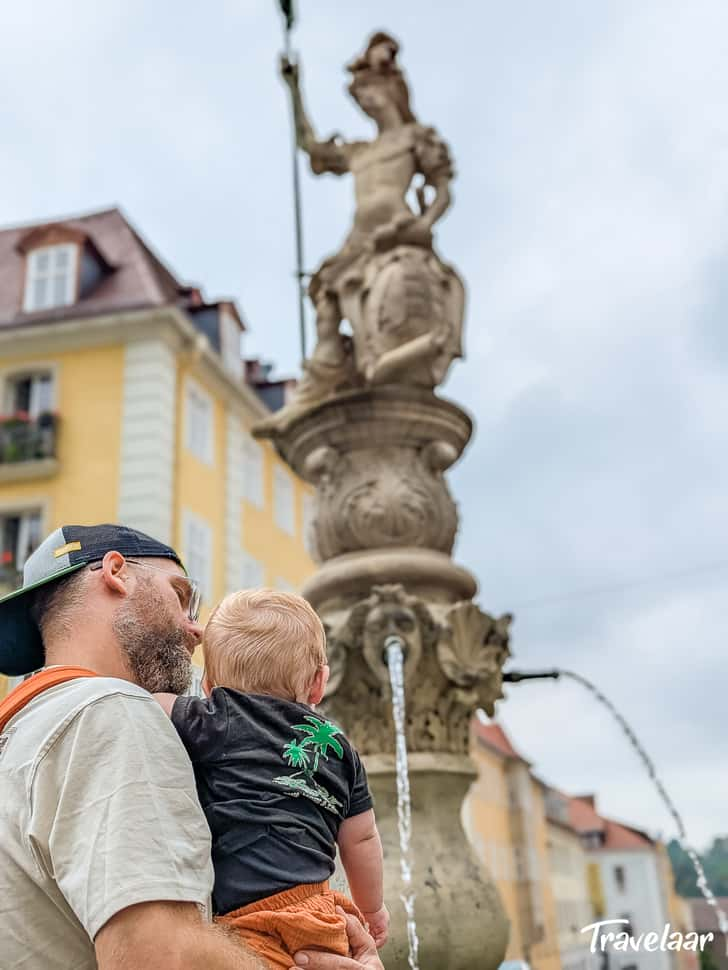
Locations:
column 138, row 278
column 584, row 818
column 495, row 737
column 625, row 837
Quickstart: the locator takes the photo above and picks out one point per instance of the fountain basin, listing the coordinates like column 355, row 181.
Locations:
column 461, row 922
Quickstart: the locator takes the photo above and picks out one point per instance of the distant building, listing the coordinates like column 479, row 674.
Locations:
column 560, row 866
column 123, row 398
column 273, row 392
column 633, row 880
column 505, row 818
column 576, row 887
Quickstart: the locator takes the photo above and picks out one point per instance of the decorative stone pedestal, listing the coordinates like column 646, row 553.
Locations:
column 385, row 525
column 461, row 923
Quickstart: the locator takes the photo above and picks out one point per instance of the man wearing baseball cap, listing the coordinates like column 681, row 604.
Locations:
column 104, row 849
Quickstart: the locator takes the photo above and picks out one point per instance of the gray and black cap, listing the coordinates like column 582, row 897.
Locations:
column 65, row 551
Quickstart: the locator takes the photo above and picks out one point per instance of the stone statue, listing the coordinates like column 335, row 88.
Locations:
column 367, row 430
column 404, row 305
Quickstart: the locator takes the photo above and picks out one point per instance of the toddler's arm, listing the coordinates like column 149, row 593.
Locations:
column 166, row 701
column 361, row 854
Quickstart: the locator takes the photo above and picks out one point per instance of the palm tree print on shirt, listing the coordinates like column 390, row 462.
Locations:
column 305, row 753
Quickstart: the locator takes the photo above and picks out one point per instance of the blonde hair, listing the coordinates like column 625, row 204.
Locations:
column 264, row 642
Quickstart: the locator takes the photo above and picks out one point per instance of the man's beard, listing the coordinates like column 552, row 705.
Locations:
column 154, row 649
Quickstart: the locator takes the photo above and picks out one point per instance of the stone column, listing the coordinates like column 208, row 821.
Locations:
column 366, row 428
column 384, row 529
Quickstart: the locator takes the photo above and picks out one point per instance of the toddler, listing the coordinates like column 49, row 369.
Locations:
column 280, row 786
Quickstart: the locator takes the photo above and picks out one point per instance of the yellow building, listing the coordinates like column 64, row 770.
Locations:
column 505, row 818
column 576, row 884
column 123, row 398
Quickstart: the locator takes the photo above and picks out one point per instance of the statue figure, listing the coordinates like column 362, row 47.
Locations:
column 404, row 305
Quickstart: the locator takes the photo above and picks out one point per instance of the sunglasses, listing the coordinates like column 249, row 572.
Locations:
column 192, row 602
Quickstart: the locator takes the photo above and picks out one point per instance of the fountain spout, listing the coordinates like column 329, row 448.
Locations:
column 393, row 641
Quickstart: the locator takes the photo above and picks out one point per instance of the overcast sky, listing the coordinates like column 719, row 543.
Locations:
column 590, row 224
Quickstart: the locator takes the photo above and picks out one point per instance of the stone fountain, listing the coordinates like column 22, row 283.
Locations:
column 368, row 430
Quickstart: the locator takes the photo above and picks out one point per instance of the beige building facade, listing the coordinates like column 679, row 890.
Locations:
column 505, row 818
column 572, row 884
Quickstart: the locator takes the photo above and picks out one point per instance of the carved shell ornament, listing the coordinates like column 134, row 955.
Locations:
column 389, row 508
column 473, row 645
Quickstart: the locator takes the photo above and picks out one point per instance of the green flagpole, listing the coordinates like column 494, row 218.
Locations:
column 289, row 18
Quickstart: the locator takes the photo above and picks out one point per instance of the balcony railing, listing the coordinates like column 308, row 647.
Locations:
column 23, row 438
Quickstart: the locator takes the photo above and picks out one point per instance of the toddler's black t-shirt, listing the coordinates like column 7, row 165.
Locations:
column 275, row 781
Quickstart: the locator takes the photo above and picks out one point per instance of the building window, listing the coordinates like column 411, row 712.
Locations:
column 28, row 422
column 21, row 534
column 283, row 495
column 252, row 572
column 592, row 840
column 253, row 472
column 197, row 541
column 199, row 422
column 31, row 393
column 51, row 277
column 628, row 926
column 230, row 344
column 620, row 878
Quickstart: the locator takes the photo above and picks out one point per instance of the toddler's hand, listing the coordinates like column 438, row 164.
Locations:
column 378, row 925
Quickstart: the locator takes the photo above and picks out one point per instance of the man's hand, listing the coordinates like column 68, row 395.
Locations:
column 364, row 954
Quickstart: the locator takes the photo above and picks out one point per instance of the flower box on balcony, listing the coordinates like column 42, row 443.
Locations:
column 27, row 439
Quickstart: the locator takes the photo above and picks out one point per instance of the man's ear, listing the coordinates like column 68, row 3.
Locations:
column 318, row 686
column 114, row 573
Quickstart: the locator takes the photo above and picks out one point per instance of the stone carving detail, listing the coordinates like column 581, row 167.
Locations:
column 366, row 427
column 403, row 303
column 472, row 649
column 452, row 666
column 376, row 498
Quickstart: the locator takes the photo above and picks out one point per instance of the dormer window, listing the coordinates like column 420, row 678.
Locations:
column 51, row 277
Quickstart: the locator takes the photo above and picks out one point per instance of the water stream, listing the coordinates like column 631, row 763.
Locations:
column 395, row 665
column 702, row 882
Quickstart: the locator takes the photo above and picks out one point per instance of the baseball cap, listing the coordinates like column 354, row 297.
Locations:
column 65, row 551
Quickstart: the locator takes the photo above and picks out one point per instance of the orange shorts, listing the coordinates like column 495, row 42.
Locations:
column 301, row 918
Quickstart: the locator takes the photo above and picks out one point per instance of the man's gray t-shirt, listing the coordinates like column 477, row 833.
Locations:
column 98, row 812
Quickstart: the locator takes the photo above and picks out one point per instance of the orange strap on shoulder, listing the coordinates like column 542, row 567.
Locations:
column 30, row 688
